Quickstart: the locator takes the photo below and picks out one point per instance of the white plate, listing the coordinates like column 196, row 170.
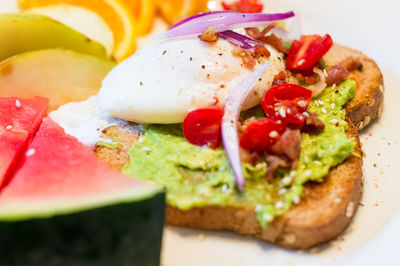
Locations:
column 372, row 238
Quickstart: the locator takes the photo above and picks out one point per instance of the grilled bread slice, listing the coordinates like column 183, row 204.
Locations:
column 323, row 213
column 326, row 208
column 367, row 103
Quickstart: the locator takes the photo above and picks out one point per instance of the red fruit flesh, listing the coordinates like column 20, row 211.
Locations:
column 19, row 121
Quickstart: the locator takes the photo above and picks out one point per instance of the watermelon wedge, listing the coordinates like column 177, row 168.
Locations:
column 65, row 207
column 19, row 121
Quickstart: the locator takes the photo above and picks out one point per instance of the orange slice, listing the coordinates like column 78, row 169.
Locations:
column 116, row 13
column 175, row 10
column 144, row 12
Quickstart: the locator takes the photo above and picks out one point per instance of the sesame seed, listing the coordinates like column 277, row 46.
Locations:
column 337, row 200
column 308, row 173
column 268, row 217
column 9, row 127
column 146, row 149
column 273, row 134
column 316, row 103
column 279, row 204
column 350, row 209
column 286, row 180
column 30, row 152
column 323, row 110
column 282, row 191
column 301, row 62
column 224, row 188
column 258, row 207
column 325, row 73
column 282, row 112
column 17, row 103
column 321, row 102
column 306, row 159
column 296, row 199
column 333, row 86
column 306, row 114
column 318, row 162
column 301, row 103
column 293, row 173
column 333, row 105
column 200, row 237
column 320, row 153
column 334, row 121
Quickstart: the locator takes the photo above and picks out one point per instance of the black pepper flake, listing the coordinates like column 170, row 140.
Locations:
column 244, row 16
column 279, row 58
column 203, row 66
column 164, row 52
column 190, row 59
column 336, row 91
column 360, row 67
column 208, row 76
column 260, row 79
column 141, row 83
column 222, row 86
column 181, row 52
column 220, row 54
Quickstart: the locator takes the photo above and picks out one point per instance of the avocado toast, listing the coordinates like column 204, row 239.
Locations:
column 326, row 207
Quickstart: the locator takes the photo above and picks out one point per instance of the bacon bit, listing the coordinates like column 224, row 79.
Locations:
column 289, row 144
column 244, row 6
column 351, row 64
column 274, row 162
column 313, row 123
column 308, row 79
column 260, row 51
column 279, row 78
column 209, row 35
column 249, row 57
column 275, row 42
column 255, row 33
column 249, row 156
column 248, row 60
column 335, row 74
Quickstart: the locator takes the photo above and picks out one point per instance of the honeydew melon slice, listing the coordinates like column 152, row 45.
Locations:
column 25, row 32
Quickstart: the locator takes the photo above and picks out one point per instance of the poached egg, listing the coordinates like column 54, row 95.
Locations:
column 165, row 80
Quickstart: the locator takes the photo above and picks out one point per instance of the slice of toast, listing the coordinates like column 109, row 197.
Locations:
column 326, row 208
column 367, row 103
column 324, row 212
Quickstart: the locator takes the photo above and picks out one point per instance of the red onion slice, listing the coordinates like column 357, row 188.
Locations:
column 230, row 138
column 239, row 39
column 198, row 16
column 222, row 21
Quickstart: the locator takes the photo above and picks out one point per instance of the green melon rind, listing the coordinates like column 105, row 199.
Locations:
column 128, row 233
column 19, row 210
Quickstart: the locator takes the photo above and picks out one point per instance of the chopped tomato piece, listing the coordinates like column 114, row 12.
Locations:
column 287, row 102
column 203, row 127
column 244, row 6
column 262, row 134
column 307, row 51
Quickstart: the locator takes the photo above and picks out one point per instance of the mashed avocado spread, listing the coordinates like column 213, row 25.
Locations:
column 199, row 176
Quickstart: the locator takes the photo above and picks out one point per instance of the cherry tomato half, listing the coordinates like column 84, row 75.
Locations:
column 244, row 6
column 287, row 102
column 262, row 134
column 307, row 51
column 203, row 127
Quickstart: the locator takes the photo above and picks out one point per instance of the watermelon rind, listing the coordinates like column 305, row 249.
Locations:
column 127, row 233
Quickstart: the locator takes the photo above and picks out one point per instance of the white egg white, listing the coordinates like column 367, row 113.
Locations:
column 165, row 80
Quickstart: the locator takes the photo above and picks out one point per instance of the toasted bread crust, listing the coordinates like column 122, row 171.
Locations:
column 367, row 103
column 324, row 212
